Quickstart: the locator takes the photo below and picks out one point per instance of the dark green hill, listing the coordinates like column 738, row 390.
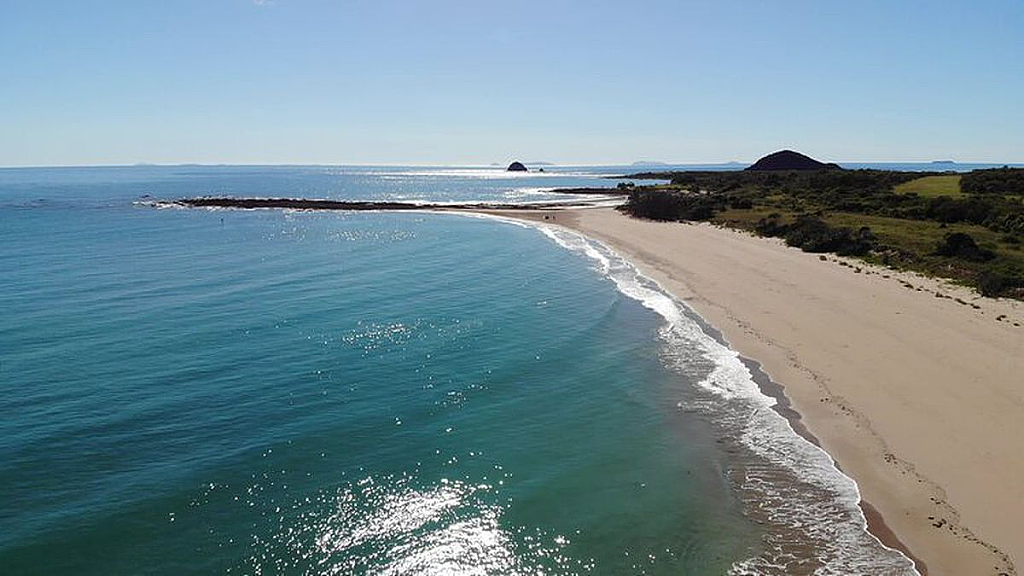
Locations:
column 789, row 160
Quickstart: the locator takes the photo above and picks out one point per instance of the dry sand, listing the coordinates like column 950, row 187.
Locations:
column 919, row 398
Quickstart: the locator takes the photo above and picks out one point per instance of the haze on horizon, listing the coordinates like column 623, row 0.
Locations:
column 359, row 82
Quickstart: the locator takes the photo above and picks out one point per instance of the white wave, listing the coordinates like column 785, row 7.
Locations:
column 159, row 204
column 502, row 219
column 548, row 194
column 527, row 191
column 803, row 490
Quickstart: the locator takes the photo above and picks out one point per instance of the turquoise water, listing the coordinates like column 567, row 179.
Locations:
column 261, row 392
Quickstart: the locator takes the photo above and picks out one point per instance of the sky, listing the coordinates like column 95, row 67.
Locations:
column 476, row 82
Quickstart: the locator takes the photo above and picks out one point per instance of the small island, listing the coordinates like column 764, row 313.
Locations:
column 789, row 160
column 516, row 167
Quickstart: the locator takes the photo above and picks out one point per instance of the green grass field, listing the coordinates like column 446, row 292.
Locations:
column 929, row 186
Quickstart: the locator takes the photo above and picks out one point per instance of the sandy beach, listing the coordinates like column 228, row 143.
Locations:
column 915, row 387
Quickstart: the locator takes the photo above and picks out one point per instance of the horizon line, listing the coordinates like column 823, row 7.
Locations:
column 490, row 165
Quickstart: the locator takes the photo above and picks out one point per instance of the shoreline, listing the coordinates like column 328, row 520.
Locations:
column 909, row 507
column 871, row 367
column 874, row 522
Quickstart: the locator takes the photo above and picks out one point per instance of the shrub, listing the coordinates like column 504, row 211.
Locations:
column 771, row 226
column 651, row 205
column 993, row 181
column 740, row 203
column 962, row 246
column 663, row 205
column 812, row 234
column 1002, row 280
column 949, row 210
column 691, row 208
column 991, row 283
column 808, row 233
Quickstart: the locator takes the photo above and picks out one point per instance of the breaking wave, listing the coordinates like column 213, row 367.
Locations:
column 809, row 509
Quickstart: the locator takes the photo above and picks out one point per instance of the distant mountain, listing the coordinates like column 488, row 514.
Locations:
column 789, row 160
column 943, row 162
column 649, row 163
column 539, row 163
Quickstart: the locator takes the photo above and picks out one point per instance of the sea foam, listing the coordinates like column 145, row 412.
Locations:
column 810, row 509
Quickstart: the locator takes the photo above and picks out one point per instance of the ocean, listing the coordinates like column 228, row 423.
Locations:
column 287, row 392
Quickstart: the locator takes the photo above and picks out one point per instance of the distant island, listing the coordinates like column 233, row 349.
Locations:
column 789, row 160
column 516, row 167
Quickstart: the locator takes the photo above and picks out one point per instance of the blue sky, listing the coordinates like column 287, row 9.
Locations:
column 344, row 82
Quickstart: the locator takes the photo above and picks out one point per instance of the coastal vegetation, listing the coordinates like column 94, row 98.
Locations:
column 968, row 228
column 994, row 181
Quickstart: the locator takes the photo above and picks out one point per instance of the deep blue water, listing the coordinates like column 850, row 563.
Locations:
column 191, row 391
